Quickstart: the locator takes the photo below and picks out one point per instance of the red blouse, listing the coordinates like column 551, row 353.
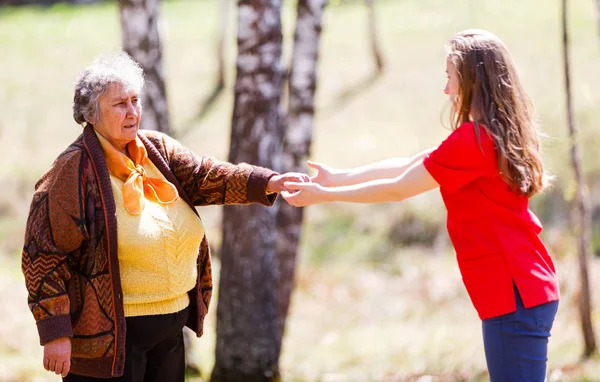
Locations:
column 494, row 233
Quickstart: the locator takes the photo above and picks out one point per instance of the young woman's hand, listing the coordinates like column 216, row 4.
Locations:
column 304, row 194
column 325, row 175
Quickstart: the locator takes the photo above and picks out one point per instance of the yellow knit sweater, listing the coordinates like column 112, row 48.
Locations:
column 158, row 250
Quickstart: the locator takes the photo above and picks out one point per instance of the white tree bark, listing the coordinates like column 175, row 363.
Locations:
column 297, row 140
column 141, row 39
column 248, row 300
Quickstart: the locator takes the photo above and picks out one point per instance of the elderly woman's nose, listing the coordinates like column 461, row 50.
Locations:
column 132, row 108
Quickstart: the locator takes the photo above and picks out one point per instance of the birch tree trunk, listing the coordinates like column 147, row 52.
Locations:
column 297, row 140
column 141, row 39
column 583, row 217
column 374, row 41
column 247, row 309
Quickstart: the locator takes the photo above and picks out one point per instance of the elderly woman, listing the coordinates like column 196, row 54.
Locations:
column 115, row 259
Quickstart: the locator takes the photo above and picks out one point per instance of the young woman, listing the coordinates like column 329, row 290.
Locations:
column 486, row 170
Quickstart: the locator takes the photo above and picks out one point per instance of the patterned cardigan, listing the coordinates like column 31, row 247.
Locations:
column 70, row 256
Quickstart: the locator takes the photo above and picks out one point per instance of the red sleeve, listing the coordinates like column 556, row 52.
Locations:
column 461, row 159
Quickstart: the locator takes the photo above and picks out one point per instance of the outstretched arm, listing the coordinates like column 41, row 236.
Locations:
column 386, row 169
column 413, row 181
column 208, row 181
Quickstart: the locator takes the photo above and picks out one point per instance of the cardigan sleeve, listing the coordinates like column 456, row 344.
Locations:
column 53, row 235
column 208, row 181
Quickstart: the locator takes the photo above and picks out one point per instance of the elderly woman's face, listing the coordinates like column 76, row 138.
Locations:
column 120, row 113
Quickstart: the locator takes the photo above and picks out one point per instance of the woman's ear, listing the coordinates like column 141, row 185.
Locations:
column 90, row 119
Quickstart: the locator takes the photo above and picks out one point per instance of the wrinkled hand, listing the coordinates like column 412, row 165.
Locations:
column 277, row 182
column 324, row 175
column 57, row 356
column 304, row 194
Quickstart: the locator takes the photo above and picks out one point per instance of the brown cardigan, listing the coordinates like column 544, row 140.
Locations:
column 70, row 256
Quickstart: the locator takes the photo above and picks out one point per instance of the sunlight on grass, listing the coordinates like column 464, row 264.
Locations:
column 352, row 322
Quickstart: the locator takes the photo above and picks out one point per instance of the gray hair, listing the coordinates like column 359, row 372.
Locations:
column 113, row 68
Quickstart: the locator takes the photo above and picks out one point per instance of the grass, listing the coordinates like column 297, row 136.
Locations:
column 351, row 321
column 364, row 308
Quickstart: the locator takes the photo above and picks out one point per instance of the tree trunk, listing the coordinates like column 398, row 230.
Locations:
column 141, row 39
column 225, row 10
column 297, row 140
column 598, row 13
column 247, row 309
column 583, row 209
column 373, row 35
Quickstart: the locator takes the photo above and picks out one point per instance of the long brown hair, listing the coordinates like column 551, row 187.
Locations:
column 491, row 94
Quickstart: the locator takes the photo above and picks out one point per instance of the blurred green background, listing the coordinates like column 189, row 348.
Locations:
column 378, row 296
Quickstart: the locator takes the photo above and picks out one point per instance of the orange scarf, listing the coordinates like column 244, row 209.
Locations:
column 137, row 185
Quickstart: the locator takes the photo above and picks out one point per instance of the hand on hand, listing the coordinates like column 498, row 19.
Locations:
column 57, row 356
column 277, row 182
column 299, row 189
column 303, row 194
column 311, row 190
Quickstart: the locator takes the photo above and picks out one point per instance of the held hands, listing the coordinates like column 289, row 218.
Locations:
column 57, row 356
column 302, row 194
column 277, row 182
column 299, row 189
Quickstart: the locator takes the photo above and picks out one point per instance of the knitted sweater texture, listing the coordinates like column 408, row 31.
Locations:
column 70, row 256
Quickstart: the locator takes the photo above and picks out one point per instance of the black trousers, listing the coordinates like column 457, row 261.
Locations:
column 154, row 350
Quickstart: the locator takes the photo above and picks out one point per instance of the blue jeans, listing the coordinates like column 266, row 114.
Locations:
column 516, row 344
